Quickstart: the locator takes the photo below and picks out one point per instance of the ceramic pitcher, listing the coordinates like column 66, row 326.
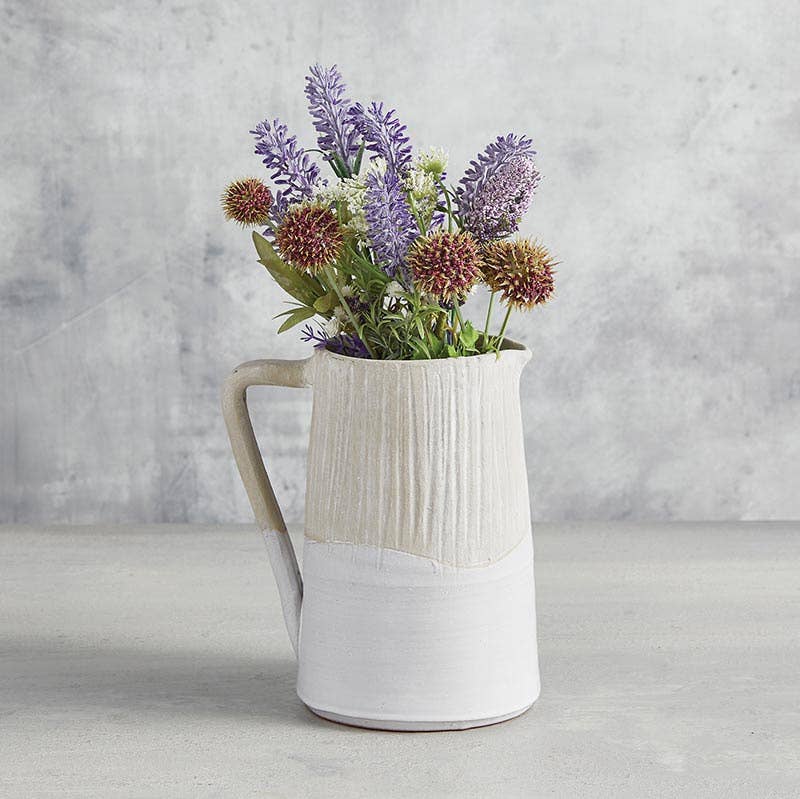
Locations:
column 415, row 609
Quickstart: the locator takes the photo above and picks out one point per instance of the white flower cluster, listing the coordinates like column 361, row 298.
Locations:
column 336, row 323
column 433, row 160
column 420, row 182
column 351, row 193
column 332, row 327
column 394, row 290
column 339, row 320
column 422, row 188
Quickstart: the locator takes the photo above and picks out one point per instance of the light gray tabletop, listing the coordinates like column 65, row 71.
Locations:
column 152, row 662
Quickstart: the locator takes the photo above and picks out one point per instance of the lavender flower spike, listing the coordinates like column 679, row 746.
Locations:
column 290, row 164
column 383, row 135
column 392, row 229
column 500, row 203
column 497, row 153
column 329, row 107
column 343, row 343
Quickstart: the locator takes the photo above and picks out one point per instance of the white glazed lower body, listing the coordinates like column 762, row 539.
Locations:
column 396, row 641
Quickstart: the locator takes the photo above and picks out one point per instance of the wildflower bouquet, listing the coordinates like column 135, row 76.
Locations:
column 386, row 254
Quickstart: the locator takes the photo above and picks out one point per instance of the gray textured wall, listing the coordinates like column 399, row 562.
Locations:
column 666, row 380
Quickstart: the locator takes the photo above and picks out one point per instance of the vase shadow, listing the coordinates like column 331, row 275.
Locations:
column 57, row 673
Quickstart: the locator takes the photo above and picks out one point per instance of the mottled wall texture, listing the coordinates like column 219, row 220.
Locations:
column 665, row 382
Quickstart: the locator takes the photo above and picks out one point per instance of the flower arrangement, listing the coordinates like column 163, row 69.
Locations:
column 385, row 255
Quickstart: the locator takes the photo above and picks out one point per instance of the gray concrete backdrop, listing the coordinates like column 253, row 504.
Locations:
column 666, row 379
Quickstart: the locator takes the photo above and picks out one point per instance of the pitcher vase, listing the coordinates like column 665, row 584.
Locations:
column 415, row 609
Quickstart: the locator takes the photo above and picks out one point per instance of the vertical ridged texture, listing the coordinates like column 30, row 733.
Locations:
column 424, row 457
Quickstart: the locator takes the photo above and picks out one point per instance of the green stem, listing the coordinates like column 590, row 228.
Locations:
column 359, row 156
column 457, row 310
column 335, row 286
column 488, row 317
column 440, row 325
column 501, row 336
column 456, row 217
column 341, row 167
column 449, row 207
column 413, row 203
column 430, row 335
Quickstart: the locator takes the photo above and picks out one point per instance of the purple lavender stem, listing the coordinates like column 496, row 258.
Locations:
column 500, row 203
column 496, row 154
column 392, row 229
column 383, row 135
column 343, row 343
column 290, row 164
column 329, row 108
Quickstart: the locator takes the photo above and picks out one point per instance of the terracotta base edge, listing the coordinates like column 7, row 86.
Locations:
column 415, row 726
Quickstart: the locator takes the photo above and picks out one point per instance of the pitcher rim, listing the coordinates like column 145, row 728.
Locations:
column 509, row 345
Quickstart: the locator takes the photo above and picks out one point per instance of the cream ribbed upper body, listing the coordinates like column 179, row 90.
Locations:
column 424, row 457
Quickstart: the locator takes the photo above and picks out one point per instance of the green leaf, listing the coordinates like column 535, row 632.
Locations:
column 263, row 247
column 295, row 317
column 421, row 352
column 339, row 166
column 292, row 282
column 451, row 351
column 468, row 336
column 302, row 287
column 335, row 167
column 436, row 348
column 327, row 303
column 359, row 156
column 345, row 267
column 295, row 305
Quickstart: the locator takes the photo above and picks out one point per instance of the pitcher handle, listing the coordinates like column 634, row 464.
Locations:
column 254, row 476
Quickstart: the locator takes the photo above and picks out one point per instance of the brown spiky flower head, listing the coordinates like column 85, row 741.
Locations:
column 247, row 201
column 521, row 271
column 444, row 264
column 309, row 237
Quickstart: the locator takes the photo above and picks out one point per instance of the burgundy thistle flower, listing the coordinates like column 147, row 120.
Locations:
column 445, row 264
column 247, row 201
column 522, row 271
column 309, row 237
column 498, row 205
